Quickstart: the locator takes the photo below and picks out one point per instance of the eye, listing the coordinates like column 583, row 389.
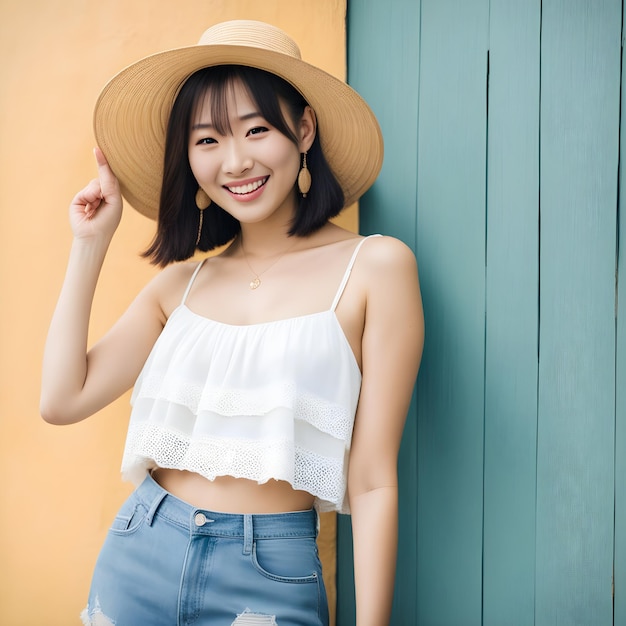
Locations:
column 257, row 130
column 205, row 141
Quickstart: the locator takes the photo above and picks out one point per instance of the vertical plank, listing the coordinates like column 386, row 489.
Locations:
column 383, row 65
column 512, row 313
column 451, row 252
column 580, row 69
column 620, row 378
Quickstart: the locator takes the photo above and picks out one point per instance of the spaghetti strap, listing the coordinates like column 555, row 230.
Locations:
column 193, row 277
column 346, row 276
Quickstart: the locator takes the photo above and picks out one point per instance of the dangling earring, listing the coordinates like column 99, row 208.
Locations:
column 202, row 199
column 304, row 177
column 202, row 202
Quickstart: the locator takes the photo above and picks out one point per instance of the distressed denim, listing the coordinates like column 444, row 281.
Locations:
column 167, row 563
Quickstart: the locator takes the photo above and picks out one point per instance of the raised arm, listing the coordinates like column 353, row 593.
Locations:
column 392, row 348
column 75, row 383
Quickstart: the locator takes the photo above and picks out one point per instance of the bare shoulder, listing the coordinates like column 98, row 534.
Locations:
column 388, row 276
column 382, row 256
column 167, row 288
column 173, row 277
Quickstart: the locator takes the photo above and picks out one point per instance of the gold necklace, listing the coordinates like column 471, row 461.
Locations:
column 255, row 283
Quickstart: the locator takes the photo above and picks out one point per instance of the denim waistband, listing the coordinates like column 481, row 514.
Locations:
column 160, row 502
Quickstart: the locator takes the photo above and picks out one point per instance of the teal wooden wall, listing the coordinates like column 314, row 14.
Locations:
column 502, row 171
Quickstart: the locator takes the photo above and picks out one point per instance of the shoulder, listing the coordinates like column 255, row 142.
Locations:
column 384, row 255
column 388, row 274
column 174, row 276
column 168, row 287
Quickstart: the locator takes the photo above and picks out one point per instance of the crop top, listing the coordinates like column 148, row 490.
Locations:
column 273, row 400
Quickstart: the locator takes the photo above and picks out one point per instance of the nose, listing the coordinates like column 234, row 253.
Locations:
column 236, row 158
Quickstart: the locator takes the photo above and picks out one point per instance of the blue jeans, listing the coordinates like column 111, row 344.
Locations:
column 167, row 563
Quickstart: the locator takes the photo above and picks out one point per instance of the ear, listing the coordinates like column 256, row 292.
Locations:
column 307, row 129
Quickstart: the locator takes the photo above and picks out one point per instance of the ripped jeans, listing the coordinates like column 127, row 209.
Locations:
column 167, row 563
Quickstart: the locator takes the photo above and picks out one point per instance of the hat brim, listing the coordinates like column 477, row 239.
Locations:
column 132, row 112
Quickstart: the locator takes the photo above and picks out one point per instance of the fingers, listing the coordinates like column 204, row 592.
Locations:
column 99, row 202
column 108, row 180
column 88, row 200
column 100, row 158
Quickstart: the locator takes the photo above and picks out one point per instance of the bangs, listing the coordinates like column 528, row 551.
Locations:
column 211, row 88
column 213, row 96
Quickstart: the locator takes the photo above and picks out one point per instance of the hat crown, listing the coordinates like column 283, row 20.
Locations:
column 252, row 34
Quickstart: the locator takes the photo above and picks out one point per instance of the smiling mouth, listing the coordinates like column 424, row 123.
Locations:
column 242, row 190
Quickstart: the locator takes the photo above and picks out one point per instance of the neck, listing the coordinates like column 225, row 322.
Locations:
column 262, row 242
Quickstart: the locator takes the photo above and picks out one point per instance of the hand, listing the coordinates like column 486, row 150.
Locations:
column 96, row 210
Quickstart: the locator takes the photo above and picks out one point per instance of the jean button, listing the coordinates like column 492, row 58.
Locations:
column 200, row 519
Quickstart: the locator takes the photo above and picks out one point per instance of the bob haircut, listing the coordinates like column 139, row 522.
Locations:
column 177, row 222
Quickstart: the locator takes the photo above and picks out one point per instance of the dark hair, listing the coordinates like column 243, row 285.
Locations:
column 177, row 223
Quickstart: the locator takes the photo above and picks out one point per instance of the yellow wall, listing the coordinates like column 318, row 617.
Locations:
column 60, row 485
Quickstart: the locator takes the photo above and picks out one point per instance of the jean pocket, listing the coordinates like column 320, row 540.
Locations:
column 130, row 517
column 287, row 560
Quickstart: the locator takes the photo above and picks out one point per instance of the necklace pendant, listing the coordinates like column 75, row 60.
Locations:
column 254, row 284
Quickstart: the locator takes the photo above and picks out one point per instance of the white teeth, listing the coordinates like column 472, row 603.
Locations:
column 249, row 188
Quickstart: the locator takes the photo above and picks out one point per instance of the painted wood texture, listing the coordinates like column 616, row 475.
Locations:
column 620, row 386
column 580, row 79
column 513, row 505
column 512, row 313
column 390, row 208
column 451, row 253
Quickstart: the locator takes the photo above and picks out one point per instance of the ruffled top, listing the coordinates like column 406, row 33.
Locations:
column 265, row 401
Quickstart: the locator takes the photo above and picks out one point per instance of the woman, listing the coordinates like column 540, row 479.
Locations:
column 272, row 380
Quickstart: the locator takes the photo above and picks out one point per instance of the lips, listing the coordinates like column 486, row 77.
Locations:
column 242, row 190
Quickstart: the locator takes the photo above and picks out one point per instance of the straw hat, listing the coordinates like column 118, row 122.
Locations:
column 131, row 114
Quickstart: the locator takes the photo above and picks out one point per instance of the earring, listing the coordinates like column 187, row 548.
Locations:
column 304, row 177
column 202, row 202
column 202, row 199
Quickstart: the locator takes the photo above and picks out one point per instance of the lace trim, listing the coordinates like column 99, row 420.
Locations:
column 149, row 445
column 327, row 417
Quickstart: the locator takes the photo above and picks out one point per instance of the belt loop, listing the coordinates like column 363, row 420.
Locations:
column 248, row 534
column 154, row 506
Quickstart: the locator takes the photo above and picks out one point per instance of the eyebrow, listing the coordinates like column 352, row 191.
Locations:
column 243, row 118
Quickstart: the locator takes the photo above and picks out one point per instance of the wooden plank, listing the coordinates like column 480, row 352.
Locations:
column 512, row 313
column 383, row 65
column 451, row 250
column 580, row 69
column 620, row 379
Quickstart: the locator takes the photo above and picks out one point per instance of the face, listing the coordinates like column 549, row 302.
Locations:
column 250, row 172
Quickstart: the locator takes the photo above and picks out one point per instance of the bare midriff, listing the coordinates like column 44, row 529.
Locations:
column 233, row 495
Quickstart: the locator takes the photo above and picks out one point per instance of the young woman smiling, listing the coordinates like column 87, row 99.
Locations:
column 270, row 381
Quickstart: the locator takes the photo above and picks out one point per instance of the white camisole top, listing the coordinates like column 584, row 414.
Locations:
column 274, row 400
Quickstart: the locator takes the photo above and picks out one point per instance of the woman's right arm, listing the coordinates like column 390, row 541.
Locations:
column 75, row 382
